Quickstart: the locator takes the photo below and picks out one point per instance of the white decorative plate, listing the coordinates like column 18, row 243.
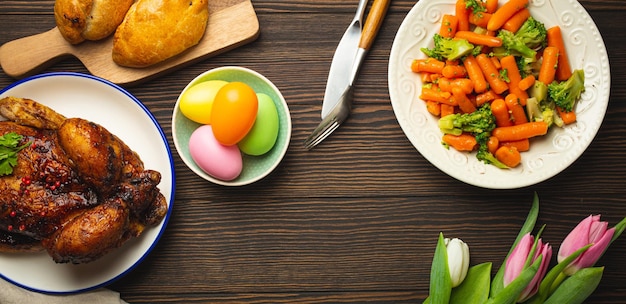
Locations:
column 548, row 155
column 97, row 100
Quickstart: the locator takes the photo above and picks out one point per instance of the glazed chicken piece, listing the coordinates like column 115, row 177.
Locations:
column 77, row 190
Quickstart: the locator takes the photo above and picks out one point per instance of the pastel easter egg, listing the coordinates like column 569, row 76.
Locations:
column 264, row 132
column 220, row 161
column 196, row 102
column 234, row 112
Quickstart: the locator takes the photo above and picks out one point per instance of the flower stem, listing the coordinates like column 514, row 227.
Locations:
column 559, row 279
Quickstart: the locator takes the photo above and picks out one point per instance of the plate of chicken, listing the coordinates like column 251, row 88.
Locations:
column 86, row 182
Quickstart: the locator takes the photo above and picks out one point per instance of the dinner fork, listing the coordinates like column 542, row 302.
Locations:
column 333, row 120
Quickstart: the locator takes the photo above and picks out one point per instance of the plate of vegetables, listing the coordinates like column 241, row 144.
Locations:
column 499, row 94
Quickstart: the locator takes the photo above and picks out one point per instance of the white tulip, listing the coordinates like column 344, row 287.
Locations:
column 458, row 260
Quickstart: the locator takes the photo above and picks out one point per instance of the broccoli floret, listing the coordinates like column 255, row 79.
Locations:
column 566, row 93
column 542, row 111
column 530, row 36
column 476, row 6
column 483, row 153
column 512, row 45
column 540, row 108
column 448, row 48
column 528, row 66
column 479, row 121
column 533, row 33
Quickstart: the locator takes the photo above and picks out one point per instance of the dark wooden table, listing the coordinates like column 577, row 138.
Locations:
column 356, row 219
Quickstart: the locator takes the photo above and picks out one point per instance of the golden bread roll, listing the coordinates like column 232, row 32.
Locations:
column 80, row 20
column 155, row 30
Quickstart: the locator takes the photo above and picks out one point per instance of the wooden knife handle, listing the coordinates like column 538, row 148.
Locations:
column 373, row 22
column 28, row 55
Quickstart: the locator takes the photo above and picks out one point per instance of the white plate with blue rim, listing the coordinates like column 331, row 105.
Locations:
column 102, row 102
column 548, row 155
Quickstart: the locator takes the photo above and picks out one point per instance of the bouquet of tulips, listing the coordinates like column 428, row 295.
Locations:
column 524, row 275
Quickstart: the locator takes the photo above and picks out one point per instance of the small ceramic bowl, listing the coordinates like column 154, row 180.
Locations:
column 254, row 167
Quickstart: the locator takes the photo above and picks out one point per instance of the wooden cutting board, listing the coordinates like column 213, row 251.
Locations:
column 232, row 23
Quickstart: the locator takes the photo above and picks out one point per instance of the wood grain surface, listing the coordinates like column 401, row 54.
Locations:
column 356, row 219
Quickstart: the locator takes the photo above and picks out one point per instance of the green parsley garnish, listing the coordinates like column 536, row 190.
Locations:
column 477, row 6
column 8, row 152
column 504, row 75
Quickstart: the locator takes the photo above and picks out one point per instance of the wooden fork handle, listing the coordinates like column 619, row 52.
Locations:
column 373, row 22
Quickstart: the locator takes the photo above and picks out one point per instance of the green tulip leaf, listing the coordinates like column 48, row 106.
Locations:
column 475, row 287
column 576, row 288
column 440, row 282
column 497, row 283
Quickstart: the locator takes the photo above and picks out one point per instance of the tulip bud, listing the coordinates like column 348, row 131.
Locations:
column 516, row 263
column 458, row 260
column 589, row 231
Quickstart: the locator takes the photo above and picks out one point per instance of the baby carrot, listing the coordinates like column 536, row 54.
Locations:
column 491, row 74
column 521, row 145
column 462, row 100
column 485, row 97
column 504, row 13
column 454, row 71
column 462, row 14
column 567, row 117
column 547, row 71
column 501, row 113
column 430, row 94
column 509, row 156
column 526, row 83
column 434, row 77
column 446, row 84
column 430, row 65
column 446, row 109
column 496, row 62
column 493, row 144
column 510, row 65
column 491, row 6
column 516, row 21
column 521, row 131
column 555, row 38
column 463, row 142
column 449, row 25
column 479, row 19
column 516, row 109
column 433, row 108
column 475, row 74
column 415, row 65
column 479, row 39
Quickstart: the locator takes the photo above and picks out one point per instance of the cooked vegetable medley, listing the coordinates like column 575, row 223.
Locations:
column 497, row 77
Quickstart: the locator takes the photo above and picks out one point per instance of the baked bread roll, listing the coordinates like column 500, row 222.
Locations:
column 80, row 20
column 155, row 30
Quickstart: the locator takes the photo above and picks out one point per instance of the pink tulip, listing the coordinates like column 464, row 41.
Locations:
column 589, row 231
column 517, row 260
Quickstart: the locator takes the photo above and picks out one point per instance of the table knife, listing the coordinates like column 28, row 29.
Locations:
column 342, row 62
column 342, row 78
